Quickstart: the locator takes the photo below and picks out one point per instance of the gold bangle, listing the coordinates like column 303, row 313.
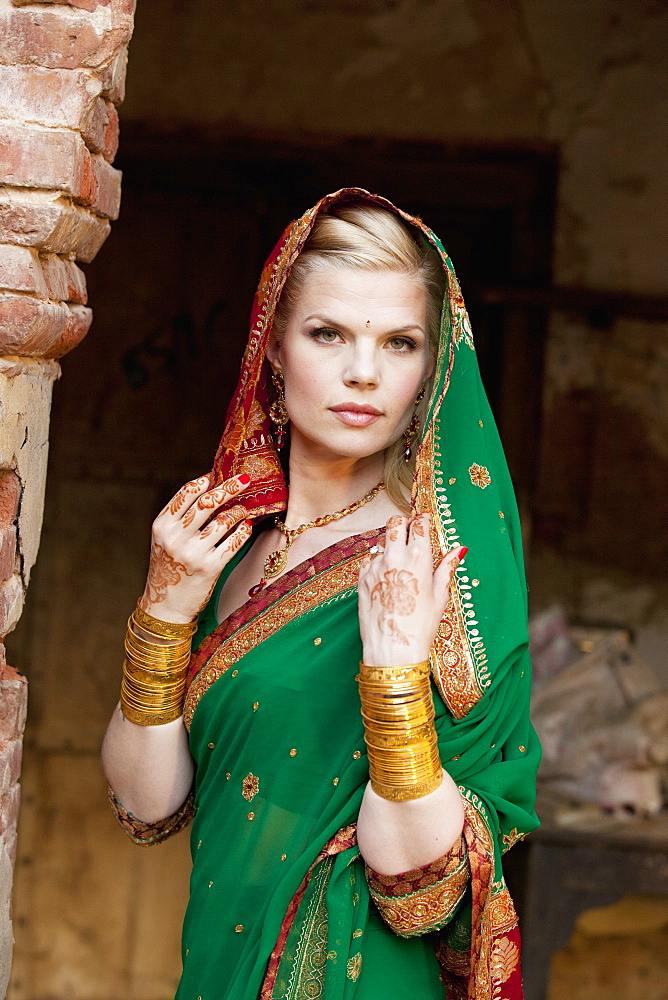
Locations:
column 142, row 718
column 168, row 630
column 398, row 714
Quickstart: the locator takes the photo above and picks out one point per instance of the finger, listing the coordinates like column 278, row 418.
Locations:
column 447, row 566
column 234, row 541
column 186, row 495
column 219, row 526
column 418, row 528
column 396, row 532
column 208, row 502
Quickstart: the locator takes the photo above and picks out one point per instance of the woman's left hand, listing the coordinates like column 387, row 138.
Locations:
column 401, row 597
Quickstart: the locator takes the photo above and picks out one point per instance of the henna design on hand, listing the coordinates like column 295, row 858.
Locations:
column 397, row 595
column 393, row 525
column 177, row 502
column 418, row 528
column 164, row 571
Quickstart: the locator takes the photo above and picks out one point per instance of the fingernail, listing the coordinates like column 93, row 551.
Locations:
column 462, row 552
column 244, row 478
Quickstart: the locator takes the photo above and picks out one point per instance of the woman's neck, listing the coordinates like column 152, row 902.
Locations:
column 318, row 488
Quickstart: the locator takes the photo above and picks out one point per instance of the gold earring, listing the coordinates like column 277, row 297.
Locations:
column 412, row 429
column 277, row 410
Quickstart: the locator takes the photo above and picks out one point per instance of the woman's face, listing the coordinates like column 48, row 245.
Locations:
column 354, row 355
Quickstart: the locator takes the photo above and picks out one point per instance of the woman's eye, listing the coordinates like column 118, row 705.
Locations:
column 325, row 335
column 402, row 344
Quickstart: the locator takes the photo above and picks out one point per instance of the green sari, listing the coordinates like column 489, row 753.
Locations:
column 281, row 903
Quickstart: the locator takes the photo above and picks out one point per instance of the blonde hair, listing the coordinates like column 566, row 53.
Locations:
column 369, row 238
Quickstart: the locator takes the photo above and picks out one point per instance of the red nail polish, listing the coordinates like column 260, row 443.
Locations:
column 249, row 524
column 244, row 478
column 462, row 552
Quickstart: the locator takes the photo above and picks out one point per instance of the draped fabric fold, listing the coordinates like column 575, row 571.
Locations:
column 280, row 904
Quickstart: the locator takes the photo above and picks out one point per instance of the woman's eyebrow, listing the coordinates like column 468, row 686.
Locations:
column 328, row 321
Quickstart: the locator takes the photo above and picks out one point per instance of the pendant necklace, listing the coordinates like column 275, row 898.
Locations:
column 275, row 561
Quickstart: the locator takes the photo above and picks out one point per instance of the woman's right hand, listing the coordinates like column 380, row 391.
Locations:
column 190, row 548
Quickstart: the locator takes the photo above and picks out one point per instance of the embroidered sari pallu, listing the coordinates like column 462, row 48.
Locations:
column 281, row 904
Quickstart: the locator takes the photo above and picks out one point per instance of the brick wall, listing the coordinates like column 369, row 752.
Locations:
column 62, row 74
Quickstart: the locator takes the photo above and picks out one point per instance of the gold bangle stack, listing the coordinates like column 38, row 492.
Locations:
column 398, row 714
column 154, row 672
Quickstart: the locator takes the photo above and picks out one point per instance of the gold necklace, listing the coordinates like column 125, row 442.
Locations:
column 275, row 561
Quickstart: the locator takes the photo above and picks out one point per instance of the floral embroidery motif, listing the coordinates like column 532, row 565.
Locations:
column 461, row 324
column 250, row 786
column 423, row 899
column 479, row 476
column 505, row 959
column 354, row 967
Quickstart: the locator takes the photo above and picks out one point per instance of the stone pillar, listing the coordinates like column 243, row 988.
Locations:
column 62, row 74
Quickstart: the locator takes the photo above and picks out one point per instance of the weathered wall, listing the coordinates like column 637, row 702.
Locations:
column 62, row 68
column 586, row 75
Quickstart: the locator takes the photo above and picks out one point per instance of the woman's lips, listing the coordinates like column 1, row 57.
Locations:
column 356, row 416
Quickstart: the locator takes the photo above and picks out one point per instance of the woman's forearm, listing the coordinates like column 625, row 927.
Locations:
column 396, row 837
column 148, row 767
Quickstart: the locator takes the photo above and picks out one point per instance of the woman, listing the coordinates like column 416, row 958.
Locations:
column 309, row 879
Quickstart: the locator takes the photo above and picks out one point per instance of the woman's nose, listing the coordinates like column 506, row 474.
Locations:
column 362, row 368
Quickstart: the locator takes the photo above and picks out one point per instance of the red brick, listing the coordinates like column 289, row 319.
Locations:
column 9, row 810
column 11, row 754
column 14, row 694
column 76, row 283
column 34, row 328
column 102, row 186
column 101, row 132
column 53, row 97
column 31, row 156
column 61, row 39
column 7, row 552
column 78, row 325
column 64, row 280
column 122, row 6
column 48, row 221
column 21, row 271
column 10, row 496
column 36, row 157
column 113, row 78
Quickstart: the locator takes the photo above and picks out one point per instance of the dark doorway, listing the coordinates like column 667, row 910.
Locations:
column 173, row 287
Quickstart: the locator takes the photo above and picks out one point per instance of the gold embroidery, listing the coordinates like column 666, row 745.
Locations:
column 316, row 642
column 331, row 956
column 358, row 933
column 452, row 481
column 293, row 752
column 354, row 967
column 425, row 899
column 357, row 754
column 335, row 781
column 475, row 583
column 512, row 838
column 480, row 423
column 505, row 959
column 250, row 786
column 501, row 514
column 256, row 705
column 211, row 746
column 238, row 929
column 251, row 816
column 479, row 476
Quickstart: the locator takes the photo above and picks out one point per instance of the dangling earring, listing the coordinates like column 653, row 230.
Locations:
column 277, row 410
column 411, row 431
